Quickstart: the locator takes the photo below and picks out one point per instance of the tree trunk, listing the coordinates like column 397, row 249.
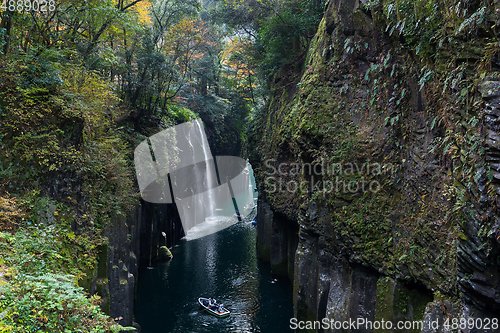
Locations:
column 203, row 86
column 216, row 87
column 7, row 25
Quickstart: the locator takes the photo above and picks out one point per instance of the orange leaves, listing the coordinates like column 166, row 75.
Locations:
column 189, row 33
column 235, row 55
column 237, row 60
column 10, row 214
column 188, row 40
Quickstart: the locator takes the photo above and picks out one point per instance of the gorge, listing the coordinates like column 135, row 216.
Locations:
column 374, row 140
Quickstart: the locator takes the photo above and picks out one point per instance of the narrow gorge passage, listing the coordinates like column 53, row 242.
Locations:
column 222, row 265
column 372, row 128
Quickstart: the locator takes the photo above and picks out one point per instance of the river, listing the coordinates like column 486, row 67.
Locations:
column 222, row 265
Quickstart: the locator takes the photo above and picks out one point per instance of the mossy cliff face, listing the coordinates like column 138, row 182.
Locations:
column 383, row 153
column 133, row 241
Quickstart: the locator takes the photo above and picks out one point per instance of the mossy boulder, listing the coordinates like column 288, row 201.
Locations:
column 164, row 254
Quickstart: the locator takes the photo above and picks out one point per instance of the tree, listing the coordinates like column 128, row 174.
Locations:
column 157, row 68
column 275, row 26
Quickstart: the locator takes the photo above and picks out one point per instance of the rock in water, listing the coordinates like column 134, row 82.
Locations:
column 137, row 326
column 164, row 254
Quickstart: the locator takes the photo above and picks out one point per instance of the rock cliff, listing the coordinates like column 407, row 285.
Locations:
column 132, row 242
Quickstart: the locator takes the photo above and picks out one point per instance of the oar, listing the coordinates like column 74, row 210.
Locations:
column 202, row 310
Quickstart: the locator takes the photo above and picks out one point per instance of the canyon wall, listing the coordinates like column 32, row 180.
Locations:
column 132, row 242
column 378, row 167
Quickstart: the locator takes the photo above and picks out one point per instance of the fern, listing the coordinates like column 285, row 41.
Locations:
column 476, row 18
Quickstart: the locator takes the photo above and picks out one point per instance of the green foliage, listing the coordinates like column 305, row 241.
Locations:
column 32, row 129
column 225, row 121
column 66, row 132
column 37, row 248
column 86, row 94
column 10, row 213
column 50, row 303
column 158, row 65
column 429, row 25
column 282, row 29
column 38, row 72
column 42, row 294
column 180, row 114
column 417, row 21
column 58, row 127
column 364, row 102
column 284, row 34
column 67, row 80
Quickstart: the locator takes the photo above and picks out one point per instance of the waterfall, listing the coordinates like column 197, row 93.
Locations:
column 182, row 153
column 207, row 200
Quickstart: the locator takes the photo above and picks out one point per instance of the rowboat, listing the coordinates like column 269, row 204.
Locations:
column 221, row 314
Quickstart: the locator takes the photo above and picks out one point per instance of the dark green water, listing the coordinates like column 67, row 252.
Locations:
column 222, row 265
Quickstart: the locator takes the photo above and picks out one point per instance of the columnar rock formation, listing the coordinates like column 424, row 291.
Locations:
column 368, row 105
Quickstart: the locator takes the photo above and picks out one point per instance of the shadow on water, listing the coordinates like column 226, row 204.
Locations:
column 223, row 265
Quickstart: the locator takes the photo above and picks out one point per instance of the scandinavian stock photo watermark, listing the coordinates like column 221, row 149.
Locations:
column 324, row 177
column 177, row 166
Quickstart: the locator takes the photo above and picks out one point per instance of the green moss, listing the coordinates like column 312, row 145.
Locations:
column 357, row 101
column 164, row 253
column 87, row 278
column 384, row 302
column 102, row 291
column 102, row 261
column 410, row 304
column 397, row 302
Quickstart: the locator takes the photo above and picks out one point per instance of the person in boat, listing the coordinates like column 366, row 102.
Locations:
column 211, row 303
column 220, row 308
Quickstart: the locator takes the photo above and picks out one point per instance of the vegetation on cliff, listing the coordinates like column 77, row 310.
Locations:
column 64, row 174
column 80, row 86
column 391, row 95
column 395, row 85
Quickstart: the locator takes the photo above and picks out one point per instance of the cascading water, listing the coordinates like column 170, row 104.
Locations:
column 183, row 154
column 207, row 199
column 215, row 209
column 200, row 182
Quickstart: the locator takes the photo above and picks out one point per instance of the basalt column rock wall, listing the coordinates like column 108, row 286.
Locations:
column 277, row 240
column 479, row 256
column 397, row 141
column 155, row 220
column 132, row 241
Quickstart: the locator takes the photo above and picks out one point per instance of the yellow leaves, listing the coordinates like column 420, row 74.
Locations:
column 9, row 214
column 189, row 32
column 4, row 328
column 93, row 95
column 237, row 60
column 236, row 47
column 143, row 12
column 71, row 236
column 236, row 54
column 188, row 40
